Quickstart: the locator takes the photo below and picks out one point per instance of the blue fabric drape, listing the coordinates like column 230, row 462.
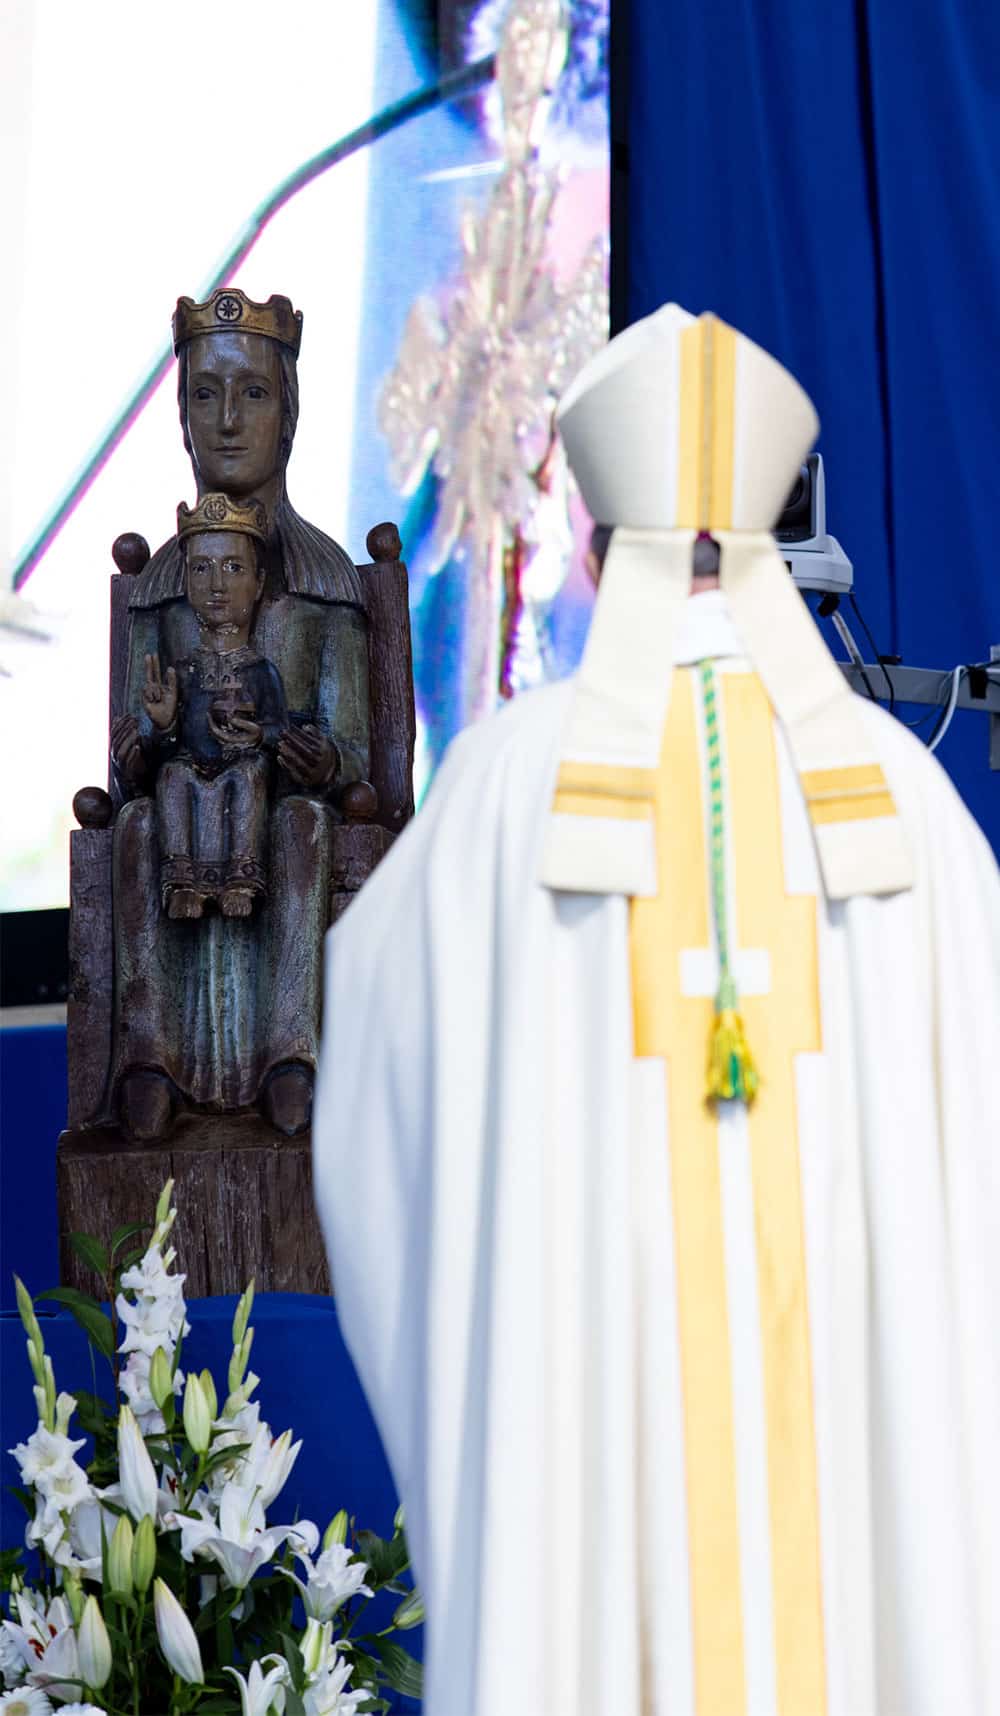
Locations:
column 827, row 178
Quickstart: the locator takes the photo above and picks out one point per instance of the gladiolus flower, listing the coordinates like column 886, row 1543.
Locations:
column 138, row 1478
column 177, row 1636
column 93, row 1646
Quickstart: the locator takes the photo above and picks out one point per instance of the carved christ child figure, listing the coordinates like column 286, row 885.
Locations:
column 216, row 720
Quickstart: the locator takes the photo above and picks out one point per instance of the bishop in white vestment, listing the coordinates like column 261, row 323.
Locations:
column 656, row 1138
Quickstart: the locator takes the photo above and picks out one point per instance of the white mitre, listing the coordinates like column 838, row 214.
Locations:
column 681, row 425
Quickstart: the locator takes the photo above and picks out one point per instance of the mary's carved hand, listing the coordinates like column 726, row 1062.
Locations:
column 311, row 759
column 126, row 750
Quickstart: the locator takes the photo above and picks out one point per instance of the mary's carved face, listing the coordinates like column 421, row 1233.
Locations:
column 234, row 411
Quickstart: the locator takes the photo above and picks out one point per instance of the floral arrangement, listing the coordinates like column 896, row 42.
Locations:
column 160, row 1586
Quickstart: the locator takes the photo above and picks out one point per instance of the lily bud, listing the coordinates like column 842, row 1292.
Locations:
column 73, row 1593
column 314, row 1644
column 399, row 1519
column 177, row 1637
column 144, row 1555
column 197, row 1418
column 336, row 1531
column 120, row 1558
column 138, row 1478
column 211, row 1397
column 93, row 1646
column 410, row 1612
column 161, row 1382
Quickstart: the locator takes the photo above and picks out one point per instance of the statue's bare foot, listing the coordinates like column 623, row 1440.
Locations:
column 287, row 1100
column 184, row 903
column 146, row 1105
column 236, row 902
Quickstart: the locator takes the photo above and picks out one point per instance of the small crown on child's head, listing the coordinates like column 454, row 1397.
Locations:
column 218, row 512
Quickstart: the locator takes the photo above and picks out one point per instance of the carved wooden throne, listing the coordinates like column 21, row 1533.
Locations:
column 244, row 1194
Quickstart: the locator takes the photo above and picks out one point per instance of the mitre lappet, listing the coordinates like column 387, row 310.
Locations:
column 679, row 426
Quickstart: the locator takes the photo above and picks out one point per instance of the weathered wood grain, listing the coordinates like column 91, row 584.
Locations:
column 89, row 998
column 244, row 1202
column 390, row 662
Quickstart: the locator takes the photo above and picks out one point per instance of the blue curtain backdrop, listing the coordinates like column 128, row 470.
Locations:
column 827, row 178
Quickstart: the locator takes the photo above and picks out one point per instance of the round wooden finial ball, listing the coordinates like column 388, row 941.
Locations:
column 92, row 807
column 359, row 801
column 130, row 553
column 382, row 542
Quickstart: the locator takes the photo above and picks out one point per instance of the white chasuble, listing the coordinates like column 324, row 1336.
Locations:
column 694, row 1410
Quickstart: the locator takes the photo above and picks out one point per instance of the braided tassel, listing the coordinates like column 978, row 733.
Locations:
column 732, row 1072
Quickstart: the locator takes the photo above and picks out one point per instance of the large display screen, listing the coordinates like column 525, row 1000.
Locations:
column 134, row 181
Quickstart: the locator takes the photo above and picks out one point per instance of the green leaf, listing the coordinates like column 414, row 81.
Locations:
column 24, row 1497
column 385, row 1560
column 97, row 1327
column 92, row 1252
column 364, row 1670
column 70, row 1296
column 127, row 1261
column 129, row 1231
column 221, row 1456
column 293, row 1657
column 294, row 1704
column 403, row 1672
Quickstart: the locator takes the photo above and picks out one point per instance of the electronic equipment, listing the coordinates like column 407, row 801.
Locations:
column 814, row 558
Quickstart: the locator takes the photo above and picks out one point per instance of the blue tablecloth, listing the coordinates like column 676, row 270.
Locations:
column 308, row 1383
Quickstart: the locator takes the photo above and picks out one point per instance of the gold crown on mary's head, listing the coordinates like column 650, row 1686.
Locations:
column 218, row 512
column 229, row 310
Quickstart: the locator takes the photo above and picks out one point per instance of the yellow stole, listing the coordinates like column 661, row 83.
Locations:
column 781, row 1024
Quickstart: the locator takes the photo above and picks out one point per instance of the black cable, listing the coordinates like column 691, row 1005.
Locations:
column 826, row 608
column 862, row 622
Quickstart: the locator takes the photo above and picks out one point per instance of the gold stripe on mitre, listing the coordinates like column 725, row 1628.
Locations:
column 707, row 419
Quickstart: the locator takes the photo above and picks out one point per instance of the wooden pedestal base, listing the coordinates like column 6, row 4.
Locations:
column 243, row 1196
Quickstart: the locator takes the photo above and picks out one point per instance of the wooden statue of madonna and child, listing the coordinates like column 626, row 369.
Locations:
column 261, row 745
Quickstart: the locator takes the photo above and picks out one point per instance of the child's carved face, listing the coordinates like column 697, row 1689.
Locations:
column 223, row 583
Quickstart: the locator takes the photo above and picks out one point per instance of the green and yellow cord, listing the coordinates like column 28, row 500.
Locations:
column 732, row 1072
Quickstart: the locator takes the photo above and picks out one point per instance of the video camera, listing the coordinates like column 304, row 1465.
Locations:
column 815, row 560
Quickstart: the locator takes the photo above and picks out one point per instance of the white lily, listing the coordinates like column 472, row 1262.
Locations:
column 80, row 1550
column 327, row 1694
column 267, row 1463
column 46, row 1638
column 239, row 1542
column 331, row 1580
column 178, row 1640
column 260, row 1692
column 139, row 1487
